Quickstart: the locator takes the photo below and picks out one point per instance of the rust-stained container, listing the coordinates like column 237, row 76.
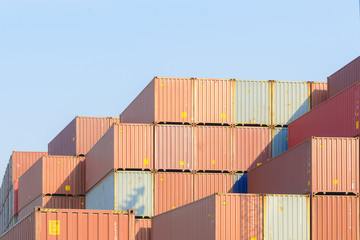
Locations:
column 172, row 189
column 337, row 117
column 123, row 146
column 52, row 175
column 164, row 100
column 344, row 78
column 143, row 229
column 252, row 146
column 212, row 149
column 318, row 93
column 80, row 135
column 214, row 100
column 335, row 217
column 52, row 202
column 65, row 224
column 318, row 165
column 173, row 147
column 206, row 184
column 218, row 217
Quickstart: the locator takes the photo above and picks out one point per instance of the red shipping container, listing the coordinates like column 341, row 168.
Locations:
column 80, row 135
column 318, row 93
column 63, row 224
column 143, row 229
column 252, row 147
column 164, row 100
column 206, row 184
column 123, row 146
column 52, row 175
column 212, row 149
column 218, row 217
column 319, row 165
column 171, row 190
column 335, row 217
column 336, row 117
column 344, row 78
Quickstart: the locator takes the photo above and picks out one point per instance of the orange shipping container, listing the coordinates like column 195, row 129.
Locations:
column 123, row 146
column 172, row 189
column 80, row 135
column 62, row 224
column 206, row 184
column 143, row 229
column 52, row 175
column 212, row 149
column 217, row 217
column 318, row 93
column 164, row 100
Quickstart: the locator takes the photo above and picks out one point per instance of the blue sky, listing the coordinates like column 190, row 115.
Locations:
column 61, row 59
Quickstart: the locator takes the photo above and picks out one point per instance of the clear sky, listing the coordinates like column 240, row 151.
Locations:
column 61, row 59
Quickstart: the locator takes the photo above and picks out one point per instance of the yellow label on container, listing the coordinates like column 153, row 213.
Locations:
column 59, row 162
column 281, row 208
column 209, row 215
column 224, row 203
column 146, row 161
column 82, row 203
column 67, row 188
column 173, row 207
column 357, row 124
column 247, row 91
column 183, row 115
column 286, row 92
column 161, row 84
column 320, row 146
column 201, row 86
column 335, row 181
column 308, row 183
column 223, row 116
column 309, row 171
column 129, row 182
column 121, row 131
column 287, row 139
column 258, row 164
column 73, row 138
column 253, row 238
column 182, row 163
column 213, row 161
column 161, row 179
column 54, row 227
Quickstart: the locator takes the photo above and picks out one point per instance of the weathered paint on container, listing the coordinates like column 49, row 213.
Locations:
column 123, row 146
column 309, row 168
column 252, row 147
column 279, row 141
column 206, row 184
column 337, row 117
column 214, row 100
column 290, row 100
column 142, row 229
column 319, row 93
column 121, row 190
column 218, row 217
column 172, row 190
column 52, row 202
column 335, row 217
column 240, row 183
column 80, row 135
column 164, row 100
column 287, row 217
column 252, row 102
column 52, row 175
column 65, row 224
column 212, row 149
column 344, row 78
column 173, row 147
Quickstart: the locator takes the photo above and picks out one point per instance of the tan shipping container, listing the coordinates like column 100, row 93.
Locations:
column 52, row 175
column 318, row 94
column 142, row 229
column 206, row 184
column 217, row 217
column 63, row 224
column 123, row 146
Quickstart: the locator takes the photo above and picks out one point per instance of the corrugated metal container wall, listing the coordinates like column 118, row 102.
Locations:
column 123, row 190
column 218, row 217
column 172, row 189
column 252, row 102
column 286, row 217
column 123, row 146
column 337, row 117
column 214, row 100
column 206, row 184
column 252, row 146
column 65, row 224
column 290, row 101
column 279, row 141
column 6, row 180
column 80, row 135
column 344, row 78
column 52, row 202
column 173, row 147
column 309, row 168
column 335, row 217
column 212, row 149
column 319, row 93
column 240, row 183
column 163, row 100
column 142, row 229
column 52, row 175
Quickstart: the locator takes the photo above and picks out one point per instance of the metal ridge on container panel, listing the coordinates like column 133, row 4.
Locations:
column 308, row 168
column 319, row 92
column 142, row 229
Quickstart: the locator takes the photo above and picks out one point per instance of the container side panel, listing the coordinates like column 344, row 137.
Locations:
column 23, row 230
column 206, row 184
column 319, row 93
column 280, row 141
column 240, row 183
column 22, row 161
column 102, row 195
column 65, row 142
column 143, row 229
